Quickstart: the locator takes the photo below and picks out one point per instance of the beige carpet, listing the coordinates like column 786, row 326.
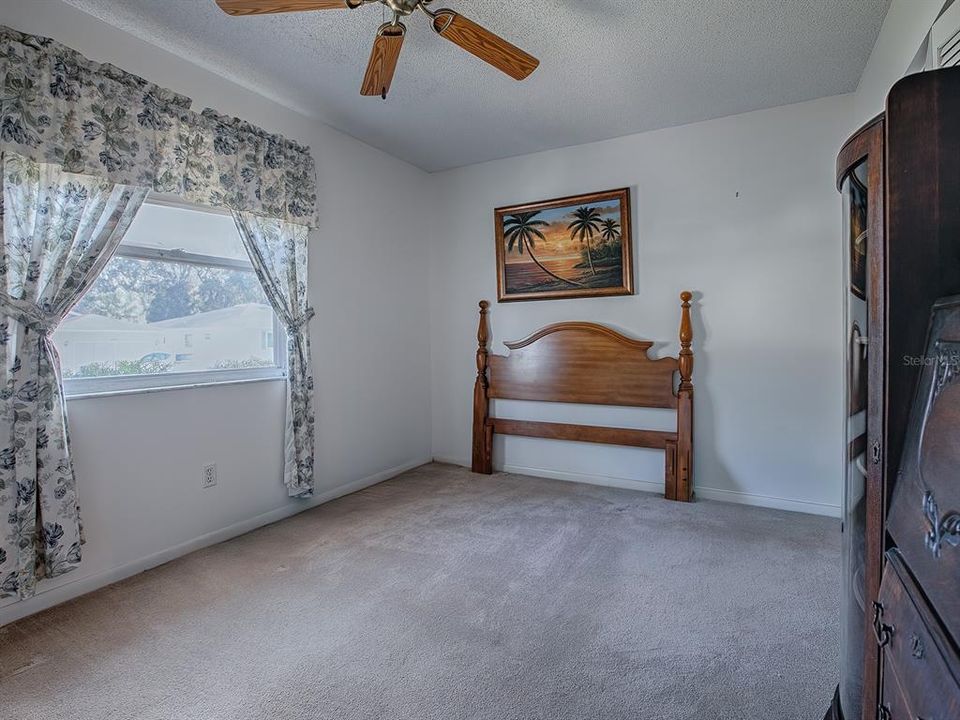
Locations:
column 447, row 595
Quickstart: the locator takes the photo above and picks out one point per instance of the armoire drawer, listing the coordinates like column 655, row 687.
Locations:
column 918, row 659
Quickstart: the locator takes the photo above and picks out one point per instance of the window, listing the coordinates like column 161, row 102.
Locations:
column 178, row 304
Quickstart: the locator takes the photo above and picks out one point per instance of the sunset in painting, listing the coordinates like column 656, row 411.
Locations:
column 575, row 247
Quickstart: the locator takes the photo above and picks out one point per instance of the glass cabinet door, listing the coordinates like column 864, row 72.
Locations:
column 856, row 237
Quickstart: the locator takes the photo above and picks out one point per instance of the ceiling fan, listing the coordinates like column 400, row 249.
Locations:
column 473, row 38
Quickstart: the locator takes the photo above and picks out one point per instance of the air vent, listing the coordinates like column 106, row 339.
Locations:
column 945, row 38
column 949, row 53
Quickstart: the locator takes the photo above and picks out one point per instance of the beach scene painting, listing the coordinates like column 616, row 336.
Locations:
column 570, row 247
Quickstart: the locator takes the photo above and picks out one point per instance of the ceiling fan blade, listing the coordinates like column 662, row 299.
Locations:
column 479, row 41
column 383, row 60
column 263, row 7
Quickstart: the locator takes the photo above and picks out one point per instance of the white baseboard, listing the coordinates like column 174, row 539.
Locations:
column 705, row 493
column 604, row 480
column 769, row 501
column 83, row 585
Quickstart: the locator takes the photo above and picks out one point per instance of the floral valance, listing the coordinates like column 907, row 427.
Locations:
column 93, row 118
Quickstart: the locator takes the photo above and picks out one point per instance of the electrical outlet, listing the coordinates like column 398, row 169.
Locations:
column 209, row 477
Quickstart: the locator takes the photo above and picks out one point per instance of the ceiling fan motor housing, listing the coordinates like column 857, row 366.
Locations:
column 402, row 7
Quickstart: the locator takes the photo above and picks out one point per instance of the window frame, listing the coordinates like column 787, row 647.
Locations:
column 124, row 384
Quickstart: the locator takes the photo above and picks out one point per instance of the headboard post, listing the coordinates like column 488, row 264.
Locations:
column 684, row 464
column 686, row 339
column 482, row 440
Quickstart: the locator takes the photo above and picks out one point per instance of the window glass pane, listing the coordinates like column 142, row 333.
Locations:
column 151, row 316
column 175, row 228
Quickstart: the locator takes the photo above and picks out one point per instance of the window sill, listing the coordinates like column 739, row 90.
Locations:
column 92, row 395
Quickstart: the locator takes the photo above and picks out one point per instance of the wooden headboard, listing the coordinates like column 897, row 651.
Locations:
column 581, row 362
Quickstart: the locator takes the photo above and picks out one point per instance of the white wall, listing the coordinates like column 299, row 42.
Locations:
column 903, row 33
column 138, row 457
column 743, row 211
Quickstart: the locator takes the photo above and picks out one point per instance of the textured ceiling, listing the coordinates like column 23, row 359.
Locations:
column 608, row 67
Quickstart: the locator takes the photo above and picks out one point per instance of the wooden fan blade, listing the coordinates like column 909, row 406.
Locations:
column 383, row 60
column 263, row 7
column 479, row 41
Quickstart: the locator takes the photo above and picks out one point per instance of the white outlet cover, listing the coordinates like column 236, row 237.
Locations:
column 209, row 476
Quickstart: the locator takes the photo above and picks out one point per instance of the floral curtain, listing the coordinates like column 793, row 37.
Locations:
column 59, row 231
column 278, row 251
column 82, row 143
column 56, row 106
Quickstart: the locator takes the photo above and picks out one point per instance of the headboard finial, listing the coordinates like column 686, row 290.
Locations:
column 686, row 340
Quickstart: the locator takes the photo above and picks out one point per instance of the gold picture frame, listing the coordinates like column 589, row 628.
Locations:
column 571, row 247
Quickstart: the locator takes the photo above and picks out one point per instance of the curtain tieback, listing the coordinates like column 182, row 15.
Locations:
column 29, row 314
column 298, row 323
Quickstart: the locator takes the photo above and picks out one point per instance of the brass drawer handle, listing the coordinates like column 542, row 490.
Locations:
column 881, row 631
column 940, row 530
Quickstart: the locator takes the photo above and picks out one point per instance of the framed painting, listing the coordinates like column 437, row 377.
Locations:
column 571, row 247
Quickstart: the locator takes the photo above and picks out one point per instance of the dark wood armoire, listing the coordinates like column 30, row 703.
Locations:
column 900, row 632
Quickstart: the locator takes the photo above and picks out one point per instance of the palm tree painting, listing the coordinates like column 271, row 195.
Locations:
column 569, row 247
column 611, row 231
column 586, row 224
column 522, row 229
